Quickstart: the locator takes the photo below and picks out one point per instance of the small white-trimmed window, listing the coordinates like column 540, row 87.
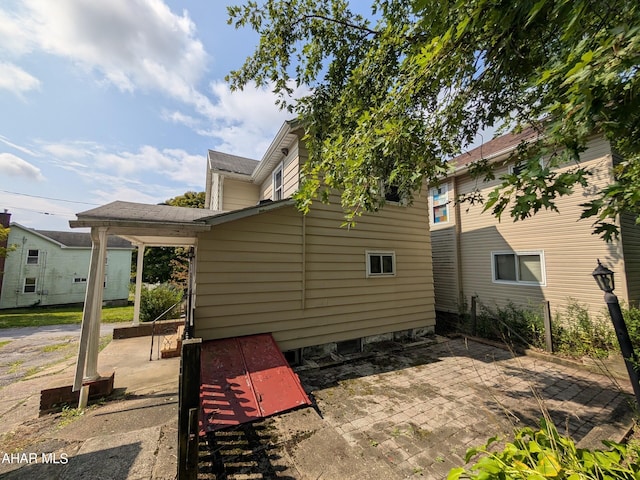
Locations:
column 381, row 264
column 522, row 268
column 29, row 285
column 278, row 183
column 33, row 257
column 439, row 204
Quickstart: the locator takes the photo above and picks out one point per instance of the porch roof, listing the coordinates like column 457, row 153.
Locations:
column 162, row 225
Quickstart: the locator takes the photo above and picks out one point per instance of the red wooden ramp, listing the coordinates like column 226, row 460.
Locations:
column 243, row 379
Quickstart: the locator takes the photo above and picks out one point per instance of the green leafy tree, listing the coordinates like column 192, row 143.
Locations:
column 170, row 264
column 402, row 88
column 4, row 236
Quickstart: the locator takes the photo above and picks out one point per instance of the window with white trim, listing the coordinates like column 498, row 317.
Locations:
column 439, row 204
column 33, row 257
column 381, row 264
column 278, row 183
column 29, row 285
column 526, row 268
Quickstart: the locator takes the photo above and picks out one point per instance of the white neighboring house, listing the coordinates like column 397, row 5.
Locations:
column 51, row 268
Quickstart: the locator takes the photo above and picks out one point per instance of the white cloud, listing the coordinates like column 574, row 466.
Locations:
column 16, row 80
column 20, row 148
column 174, row 164
column 124, row 194
column 133, row 44
column 245, row 121
column 14, row 166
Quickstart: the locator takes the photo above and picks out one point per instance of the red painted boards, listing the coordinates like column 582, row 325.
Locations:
column 243, row 379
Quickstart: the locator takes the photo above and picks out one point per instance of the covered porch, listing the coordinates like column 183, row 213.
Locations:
column 144, row 226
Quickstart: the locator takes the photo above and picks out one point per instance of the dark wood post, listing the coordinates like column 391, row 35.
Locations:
column 474, row 316
column 548, row 334
column 188, row 407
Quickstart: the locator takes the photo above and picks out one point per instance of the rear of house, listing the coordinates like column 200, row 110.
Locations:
column 306, row 279
column 548, row 257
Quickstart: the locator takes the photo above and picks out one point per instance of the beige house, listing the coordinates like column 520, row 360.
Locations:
column 261, row 266
column 306, row 279
column 548, row 257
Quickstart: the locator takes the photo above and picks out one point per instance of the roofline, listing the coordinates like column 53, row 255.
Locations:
column 38, row 234
column 101, row 222
column 247, row 212
column 61, row 245
column 261, row 171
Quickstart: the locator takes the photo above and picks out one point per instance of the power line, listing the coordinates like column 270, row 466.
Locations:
column 52, row 214
column 48, row 198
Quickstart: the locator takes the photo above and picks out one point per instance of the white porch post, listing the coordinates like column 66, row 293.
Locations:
column 87, row 363
column 139, row 267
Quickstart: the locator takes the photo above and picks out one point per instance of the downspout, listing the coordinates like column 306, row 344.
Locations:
column 458, row 236
column 304, row 259
column 138, row 294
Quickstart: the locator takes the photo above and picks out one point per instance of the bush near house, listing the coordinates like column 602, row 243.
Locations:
column 576, row 332
column 156, row 302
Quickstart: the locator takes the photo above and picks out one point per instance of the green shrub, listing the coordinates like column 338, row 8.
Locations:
column 155, row 301
column 575, row 332
column 543, row 454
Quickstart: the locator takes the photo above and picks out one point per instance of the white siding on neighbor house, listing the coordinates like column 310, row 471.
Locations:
column 304, row 278
column 237, row 194
column 569, row 247
column 55, row 272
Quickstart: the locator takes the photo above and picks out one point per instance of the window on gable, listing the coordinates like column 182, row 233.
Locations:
column 381, row 264
column 392, row 194
column 439, row 204
column 277, row 183
column 518, row 267
column 33, row 257
column 517, row 168
column 29, row 285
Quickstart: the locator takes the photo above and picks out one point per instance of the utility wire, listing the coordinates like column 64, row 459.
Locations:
column 53, row 214
column 48, row 198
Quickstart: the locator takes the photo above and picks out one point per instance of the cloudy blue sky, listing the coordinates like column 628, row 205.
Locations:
column 119, row 100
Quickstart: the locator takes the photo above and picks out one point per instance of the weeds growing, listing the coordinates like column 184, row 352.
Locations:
column 575, row 331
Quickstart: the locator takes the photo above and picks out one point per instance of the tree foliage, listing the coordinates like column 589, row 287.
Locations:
column 170, row 264
column 398, row 90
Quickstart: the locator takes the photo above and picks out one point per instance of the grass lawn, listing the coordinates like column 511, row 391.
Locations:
column 35, row 317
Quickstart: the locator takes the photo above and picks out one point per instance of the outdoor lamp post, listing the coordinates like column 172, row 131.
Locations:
column 604, row 279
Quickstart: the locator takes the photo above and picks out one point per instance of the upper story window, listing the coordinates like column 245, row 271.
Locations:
column 439, row 204
column 278, row 183
column 33, row 257
column 525, row 268
column 392, row 193
column 517, row 168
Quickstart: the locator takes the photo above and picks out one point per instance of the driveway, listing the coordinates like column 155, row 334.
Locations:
column 30, row 357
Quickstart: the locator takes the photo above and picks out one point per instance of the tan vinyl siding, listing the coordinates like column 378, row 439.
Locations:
column 304, row 278
column 290, row 176
column 570, row 249
column 238, row 194
column 630, row 236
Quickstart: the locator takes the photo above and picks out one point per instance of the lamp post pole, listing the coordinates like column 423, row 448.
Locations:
column 629, row 355
column 604, row 279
